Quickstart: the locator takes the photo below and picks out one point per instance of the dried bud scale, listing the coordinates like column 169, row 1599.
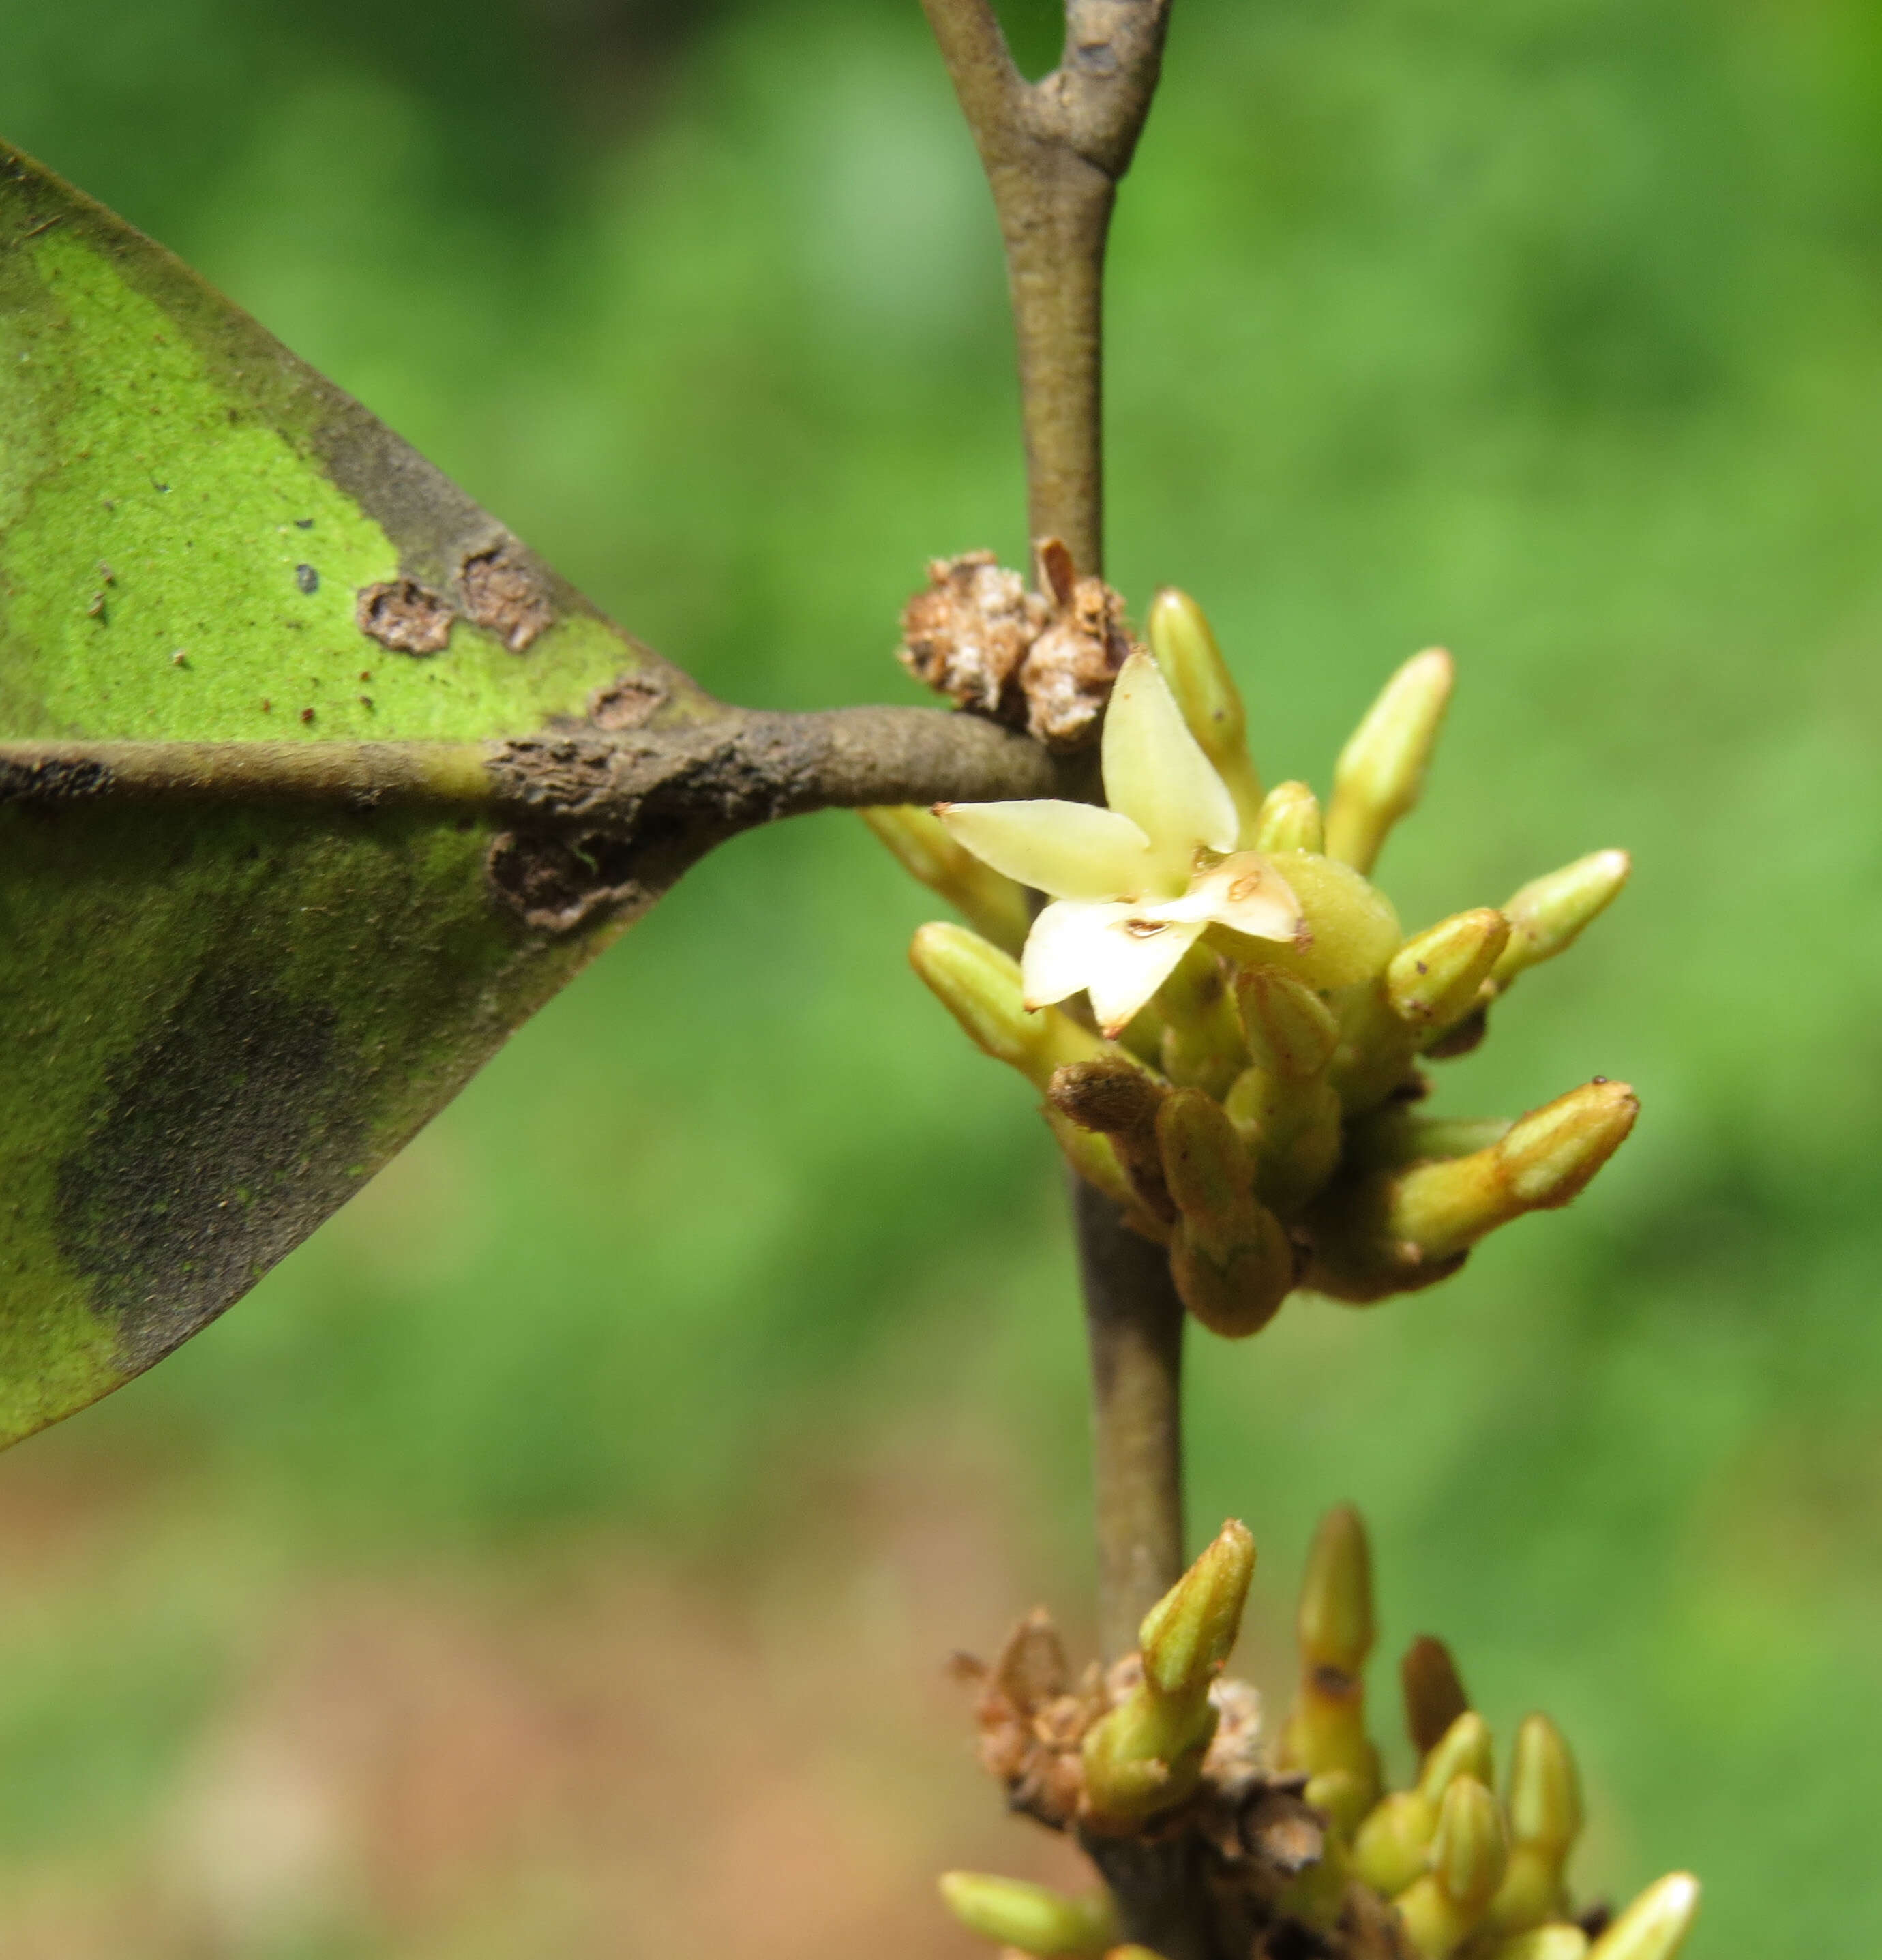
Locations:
column 1232, row 946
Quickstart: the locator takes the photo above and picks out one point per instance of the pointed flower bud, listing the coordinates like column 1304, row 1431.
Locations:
column 1326, row 1729
column 979, row 985
column 993, row 904
column 1147, row 1753
column 1441, row 1910
column 1389, row 1847
column 1334, row 1624
column 1290, row 820
column 1232, row 1262
column 1034, row 1918
column 1394, row 1138
column 1399, row 1230
column 1381, row 769
column 1545, row 1792
column 1185, row 648
column 1547, row 916
column 1464, row 1749
column 1434, row 1693
column 1472, row 1847
column 1545, row 1818
column 1291, row 1031
column 1436, row 977
column 1655, row 1925
column 1187, row 1636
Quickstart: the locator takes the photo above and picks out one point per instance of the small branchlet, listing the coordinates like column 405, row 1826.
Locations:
column 1287, row 1839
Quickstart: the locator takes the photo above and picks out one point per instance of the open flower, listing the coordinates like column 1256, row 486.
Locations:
column 1135, row 885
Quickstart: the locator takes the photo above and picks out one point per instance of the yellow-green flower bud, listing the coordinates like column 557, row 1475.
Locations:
column 1395, row 1231
column 1655, row 1927
column 1292, row 1130
column 1436, row 977
column 1547, row 916
column 1187, row 1636
column 1441, row 1910
column 1390, row 1847
column 1393, row 1139
column 1203, row 1044
column 1147, row 1753
column 1463, row 1749
column 1545, row 1818
column 1350, row 930
column 1034, row 1918
column 1132, row 1953
column 1232, row 1262
column 1326, row 1730
column 1290, row 1030
column 1561, row 1939
column 1185, row 648
column 1381, row 769
column 979, row 985
column 1290, row 820
column 992, row 903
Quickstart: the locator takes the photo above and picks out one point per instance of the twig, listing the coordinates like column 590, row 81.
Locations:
column 698, row 783
column 1054, row 152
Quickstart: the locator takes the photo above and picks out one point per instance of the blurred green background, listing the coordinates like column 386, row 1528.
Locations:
column 556, row 1554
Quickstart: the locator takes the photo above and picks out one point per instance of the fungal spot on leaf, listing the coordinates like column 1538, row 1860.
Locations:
column 624, row 704
column 555, row 883
column 194, row 1180
column 503, row 594
column 306, row 578
column 402, row 614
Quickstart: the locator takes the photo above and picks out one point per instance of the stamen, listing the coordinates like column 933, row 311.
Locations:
column 1144, row 928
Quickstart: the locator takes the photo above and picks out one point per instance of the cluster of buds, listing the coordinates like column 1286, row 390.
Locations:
column 1293, row 1843
column 1226, row 1022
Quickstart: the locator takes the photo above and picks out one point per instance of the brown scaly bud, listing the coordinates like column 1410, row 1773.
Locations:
column 967, row 635
column 1118, row 1100
column 1232, row 1262
column 1434, row 1693
column 1043, row 661
column 1066, row 675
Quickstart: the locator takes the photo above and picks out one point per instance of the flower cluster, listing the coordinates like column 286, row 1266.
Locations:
column 1293, row 1841
column 1226, row 1021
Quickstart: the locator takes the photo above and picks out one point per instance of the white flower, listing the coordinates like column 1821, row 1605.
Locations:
column 1135, row 885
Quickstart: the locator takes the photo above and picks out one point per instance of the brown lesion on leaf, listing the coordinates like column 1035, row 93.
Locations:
column 555, row 883
column 505, row 594
column 404, row 617
column 627, row 703
column 1043, row 661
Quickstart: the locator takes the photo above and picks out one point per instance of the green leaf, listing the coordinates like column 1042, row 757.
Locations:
column 223, row 1018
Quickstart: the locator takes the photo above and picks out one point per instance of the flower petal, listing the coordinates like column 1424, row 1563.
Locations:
column 1156, row 773
column 1119, row 954
column 1244, row 892
column 1072, row 850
